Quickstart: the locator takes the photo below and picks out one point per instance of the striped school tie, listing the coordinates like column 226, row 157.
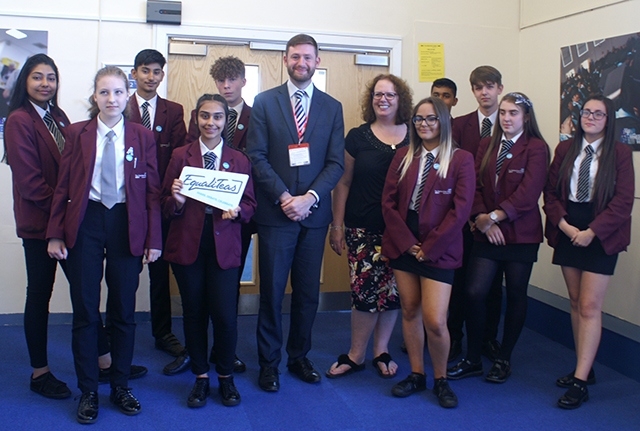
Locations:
column 231, row 125
column 425, row 172
column 146, row 119
column 506, row 146
column 486, row 128
column 55, row 132
column 210, row 160
column 584, row 175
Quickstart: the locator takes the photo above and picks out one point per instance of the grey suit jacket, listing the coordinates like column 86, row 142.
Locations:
column 272, row 129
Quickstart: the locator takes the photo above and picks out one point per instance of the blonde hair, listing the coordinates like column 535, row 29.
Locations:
column 447, row 146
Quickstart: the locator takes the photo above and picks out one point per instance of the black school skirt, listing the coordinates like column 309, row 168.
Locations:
column 592, row 258
column 409, row 263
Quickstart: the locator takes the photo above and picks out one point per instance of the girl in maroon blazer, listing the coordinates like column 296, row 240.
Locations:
column 34, row 137
column 204, row 249
column 588, row 200
column 426, row 200
column 511, row 171
column 106, row 207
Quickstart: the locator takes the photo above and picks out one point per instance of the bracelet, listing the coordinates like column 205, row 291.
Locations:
column 331, row 227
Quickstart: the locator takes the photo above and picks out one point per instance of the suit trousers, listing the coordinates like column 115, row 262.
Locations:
column 103, row 233
column 209, row 292
column 283, row 249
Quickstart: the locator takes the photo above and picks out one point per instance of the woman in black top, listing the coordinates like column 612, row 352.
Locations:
column 369, row 149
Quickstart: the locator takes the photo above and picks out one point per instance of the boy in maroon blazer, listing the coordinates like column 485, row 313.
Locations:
column 166, row 120
column 468, row 130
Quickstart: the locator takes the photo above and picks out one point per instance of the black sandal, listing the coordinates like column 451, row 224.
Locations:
column 344, row 359
column 385, row 358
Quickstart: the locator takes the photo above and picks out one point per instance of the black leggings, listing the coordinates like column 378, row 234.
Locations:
column 479, row 280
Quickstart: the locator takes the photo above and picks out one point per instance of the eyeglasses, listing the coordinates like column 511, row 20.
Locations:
column 431, row 120
column 598, row 115
column 388, row 95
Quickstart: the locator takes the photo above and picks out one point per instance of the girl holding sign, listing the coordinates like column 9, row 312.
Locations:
column 204, row 248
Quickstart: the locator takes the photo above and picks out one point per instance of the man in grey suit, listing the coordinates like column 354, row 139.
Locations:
column 296, row 145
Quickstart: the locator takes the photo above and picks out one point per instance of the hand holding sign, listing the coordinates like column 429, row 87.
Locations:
column 220, row 189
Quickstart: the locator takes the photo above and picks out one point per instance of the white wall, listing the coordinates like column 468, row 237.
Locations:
column 539, row 72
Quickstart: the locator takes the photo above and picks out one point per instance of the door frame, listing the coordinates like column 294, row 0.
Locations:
column 393, row 44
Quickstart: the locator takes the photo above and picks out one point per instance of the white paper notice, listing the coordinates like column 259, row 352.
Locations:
column 218, row 189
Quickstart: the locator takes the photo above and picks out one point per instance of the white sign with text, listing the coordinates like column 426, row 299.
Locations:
column 220, row 189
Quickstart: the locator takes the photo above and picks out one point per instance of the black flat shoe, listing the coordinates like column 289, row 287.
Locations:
column 499, row 372
column 455, row 350
column 567, row 381
column 269, row 379
column 574, row 397
column 446, row 397
column 87, row 412
column 414, row 383
column 228, row 391
column 179, row 365
column 50, row 387
column 199, row 393
column 135, row 372
column 303, row 369
column 126, row 402
column 464, row 368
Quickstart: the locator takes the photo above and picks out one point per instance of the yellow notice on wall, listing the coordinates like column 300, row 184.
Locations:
column 430, row 61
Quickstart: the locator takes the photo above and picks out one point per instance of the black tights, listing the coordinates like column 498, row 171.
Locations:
column 479, row 280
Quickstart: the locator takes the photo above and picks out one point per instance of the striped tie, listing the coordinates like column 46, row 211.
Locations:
column 506, row 146
column 210, row 161
column 486, row 128
column 423, row 180
column 55, row 132
column 584, row 175
column 108, row 180
column 231, row 125
column 301, row 116
column 146, row 119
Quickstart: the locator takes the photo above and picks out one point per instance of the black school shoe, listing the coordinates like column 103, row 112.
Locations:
column 87, row 412
column 199, row 393
column 446, row 397
column 575, row 396
column 50, row 387
column 416, row 382
column 126, row 402
column 228, row 392
column 499, row 372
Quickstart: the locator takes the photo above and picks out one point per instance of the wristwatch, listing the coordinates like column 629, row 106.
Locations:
column 493, row 216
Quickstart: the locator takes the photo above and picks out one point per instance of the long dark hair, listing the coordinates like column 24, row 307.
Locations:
column 604, row 184
column 530, row 128
column 20, row 96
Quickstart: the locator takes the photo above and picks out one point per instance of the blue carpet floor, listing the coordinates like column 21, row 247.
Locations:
column 358, row 402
